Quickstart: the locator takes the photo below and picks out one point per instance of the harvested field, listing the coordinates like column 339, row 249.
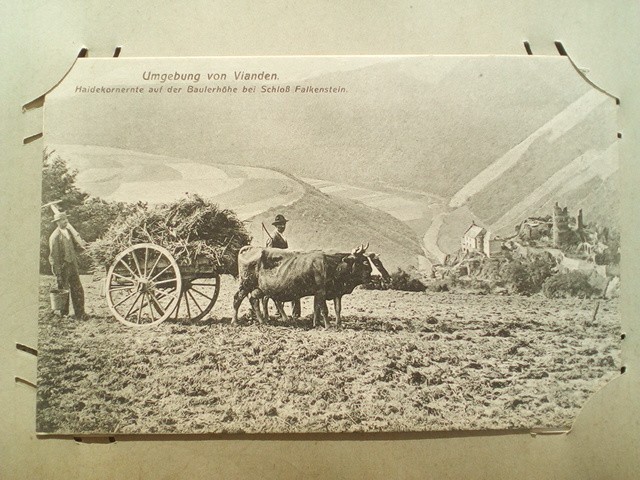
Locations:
column 404, row 361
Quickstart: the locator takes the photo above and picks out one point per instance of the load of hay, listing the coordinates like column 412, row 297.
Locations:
column 194, row 230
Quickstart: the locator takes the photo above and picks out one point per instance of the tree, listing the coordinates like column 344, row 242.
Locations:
column 90, row 216
column 611, row 256
column 541, row 267
column 515, row 274
column 58, row 184
column 526, row 276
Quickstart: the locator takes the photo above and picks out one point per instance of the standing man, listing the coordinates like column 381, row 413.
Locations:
column 64, row 245
column 277, row 240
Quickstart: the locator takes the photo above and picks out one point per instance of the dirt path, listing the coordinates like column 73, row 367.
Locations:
column 430, row 239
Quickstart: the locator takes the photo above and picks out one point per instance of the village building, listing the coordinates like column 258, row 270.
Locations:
column 492, row 245
column 478, row 239
column 473, row 238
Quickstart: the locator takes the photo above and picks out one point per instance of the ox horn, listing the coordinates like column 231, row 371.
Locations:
column 365, row 248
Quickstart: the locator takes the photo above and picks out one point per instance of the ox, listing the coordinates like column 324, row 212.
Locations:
column 346, row 278
column 287, row 276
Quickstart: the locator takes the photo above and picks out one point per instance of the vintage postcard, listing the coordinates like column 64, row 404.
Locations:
column 326, row 244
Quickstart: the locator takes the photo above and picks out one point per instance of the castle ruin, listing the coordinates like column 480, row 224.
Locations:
column 561, row 232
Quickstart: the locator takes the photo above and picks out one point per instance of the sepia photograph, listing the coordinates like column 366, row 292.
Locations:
column 326, row 244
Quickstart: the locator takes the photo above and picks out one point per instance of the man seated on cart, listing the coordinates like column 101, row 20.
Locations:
column 278, row 240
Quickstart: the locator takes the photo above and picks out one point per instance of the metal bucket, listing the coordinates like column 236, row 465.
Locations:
column 59, row 300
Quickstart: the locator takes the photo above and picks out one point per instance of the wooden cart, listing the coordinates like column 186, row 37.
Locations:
column 145, row 286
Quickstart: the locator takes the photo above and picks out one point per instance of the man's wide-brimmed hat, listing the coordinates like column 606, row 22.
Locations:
column 280, row 220
column 59, row 216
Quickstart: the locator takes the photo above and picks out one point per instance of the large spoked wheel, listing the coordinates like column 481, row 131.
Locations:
column 143, row 285
column 199, row 295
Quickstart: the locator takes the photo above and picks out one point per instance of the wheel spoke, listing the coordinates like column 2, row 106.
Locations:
column 135, row 260
column 194, row 301
column 178, row 305
column 128, row 268
column 157, row 305
column 163, row 270
column 146, row 256
column 150, row 308
column 125, row 287
column 155, row 264
column 125, row 299
column 169, row 280
column 141, row 306
column 166, row 294
column 186, row 301
column 133, row 305
column 200, row 293
column 198, row 284
column 138, row 308
column 132, row 280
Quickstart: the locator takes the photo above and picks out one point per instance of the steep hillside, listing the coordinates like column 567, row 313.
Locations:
column 320, row 221
column 553, row 165
column 430, row 136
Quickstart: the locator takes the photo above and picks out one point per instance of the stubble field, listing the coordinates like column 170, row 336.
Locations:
column 402, row 362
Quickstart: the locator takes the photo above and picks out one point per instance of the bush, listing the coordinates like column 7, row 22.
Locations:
column 541, row 267
column 375, row 284
column 571, row 284
column 491, row 268
column 526, row 276
column 439, row 286
column 406, row 281
column 400, row 280
column 481, row 287
column 611, row 256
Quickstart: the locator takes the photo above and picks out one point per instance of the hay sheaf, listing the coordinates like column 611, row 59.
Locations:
column 193, row 229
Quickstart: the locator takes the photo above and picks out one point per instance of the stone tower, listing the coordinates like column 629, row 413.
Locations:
column 580, row 221
column 560, row 229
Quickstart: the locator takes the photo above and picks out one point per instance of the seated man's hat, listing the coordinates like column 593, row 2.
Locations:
column 280, row 220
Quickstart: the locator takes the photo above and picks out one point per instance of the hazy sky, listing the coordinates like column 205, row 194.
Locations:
column 417, row 101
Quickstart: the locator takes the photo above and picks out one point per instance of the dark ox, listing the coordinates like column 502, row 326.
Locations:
column 287, row 276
